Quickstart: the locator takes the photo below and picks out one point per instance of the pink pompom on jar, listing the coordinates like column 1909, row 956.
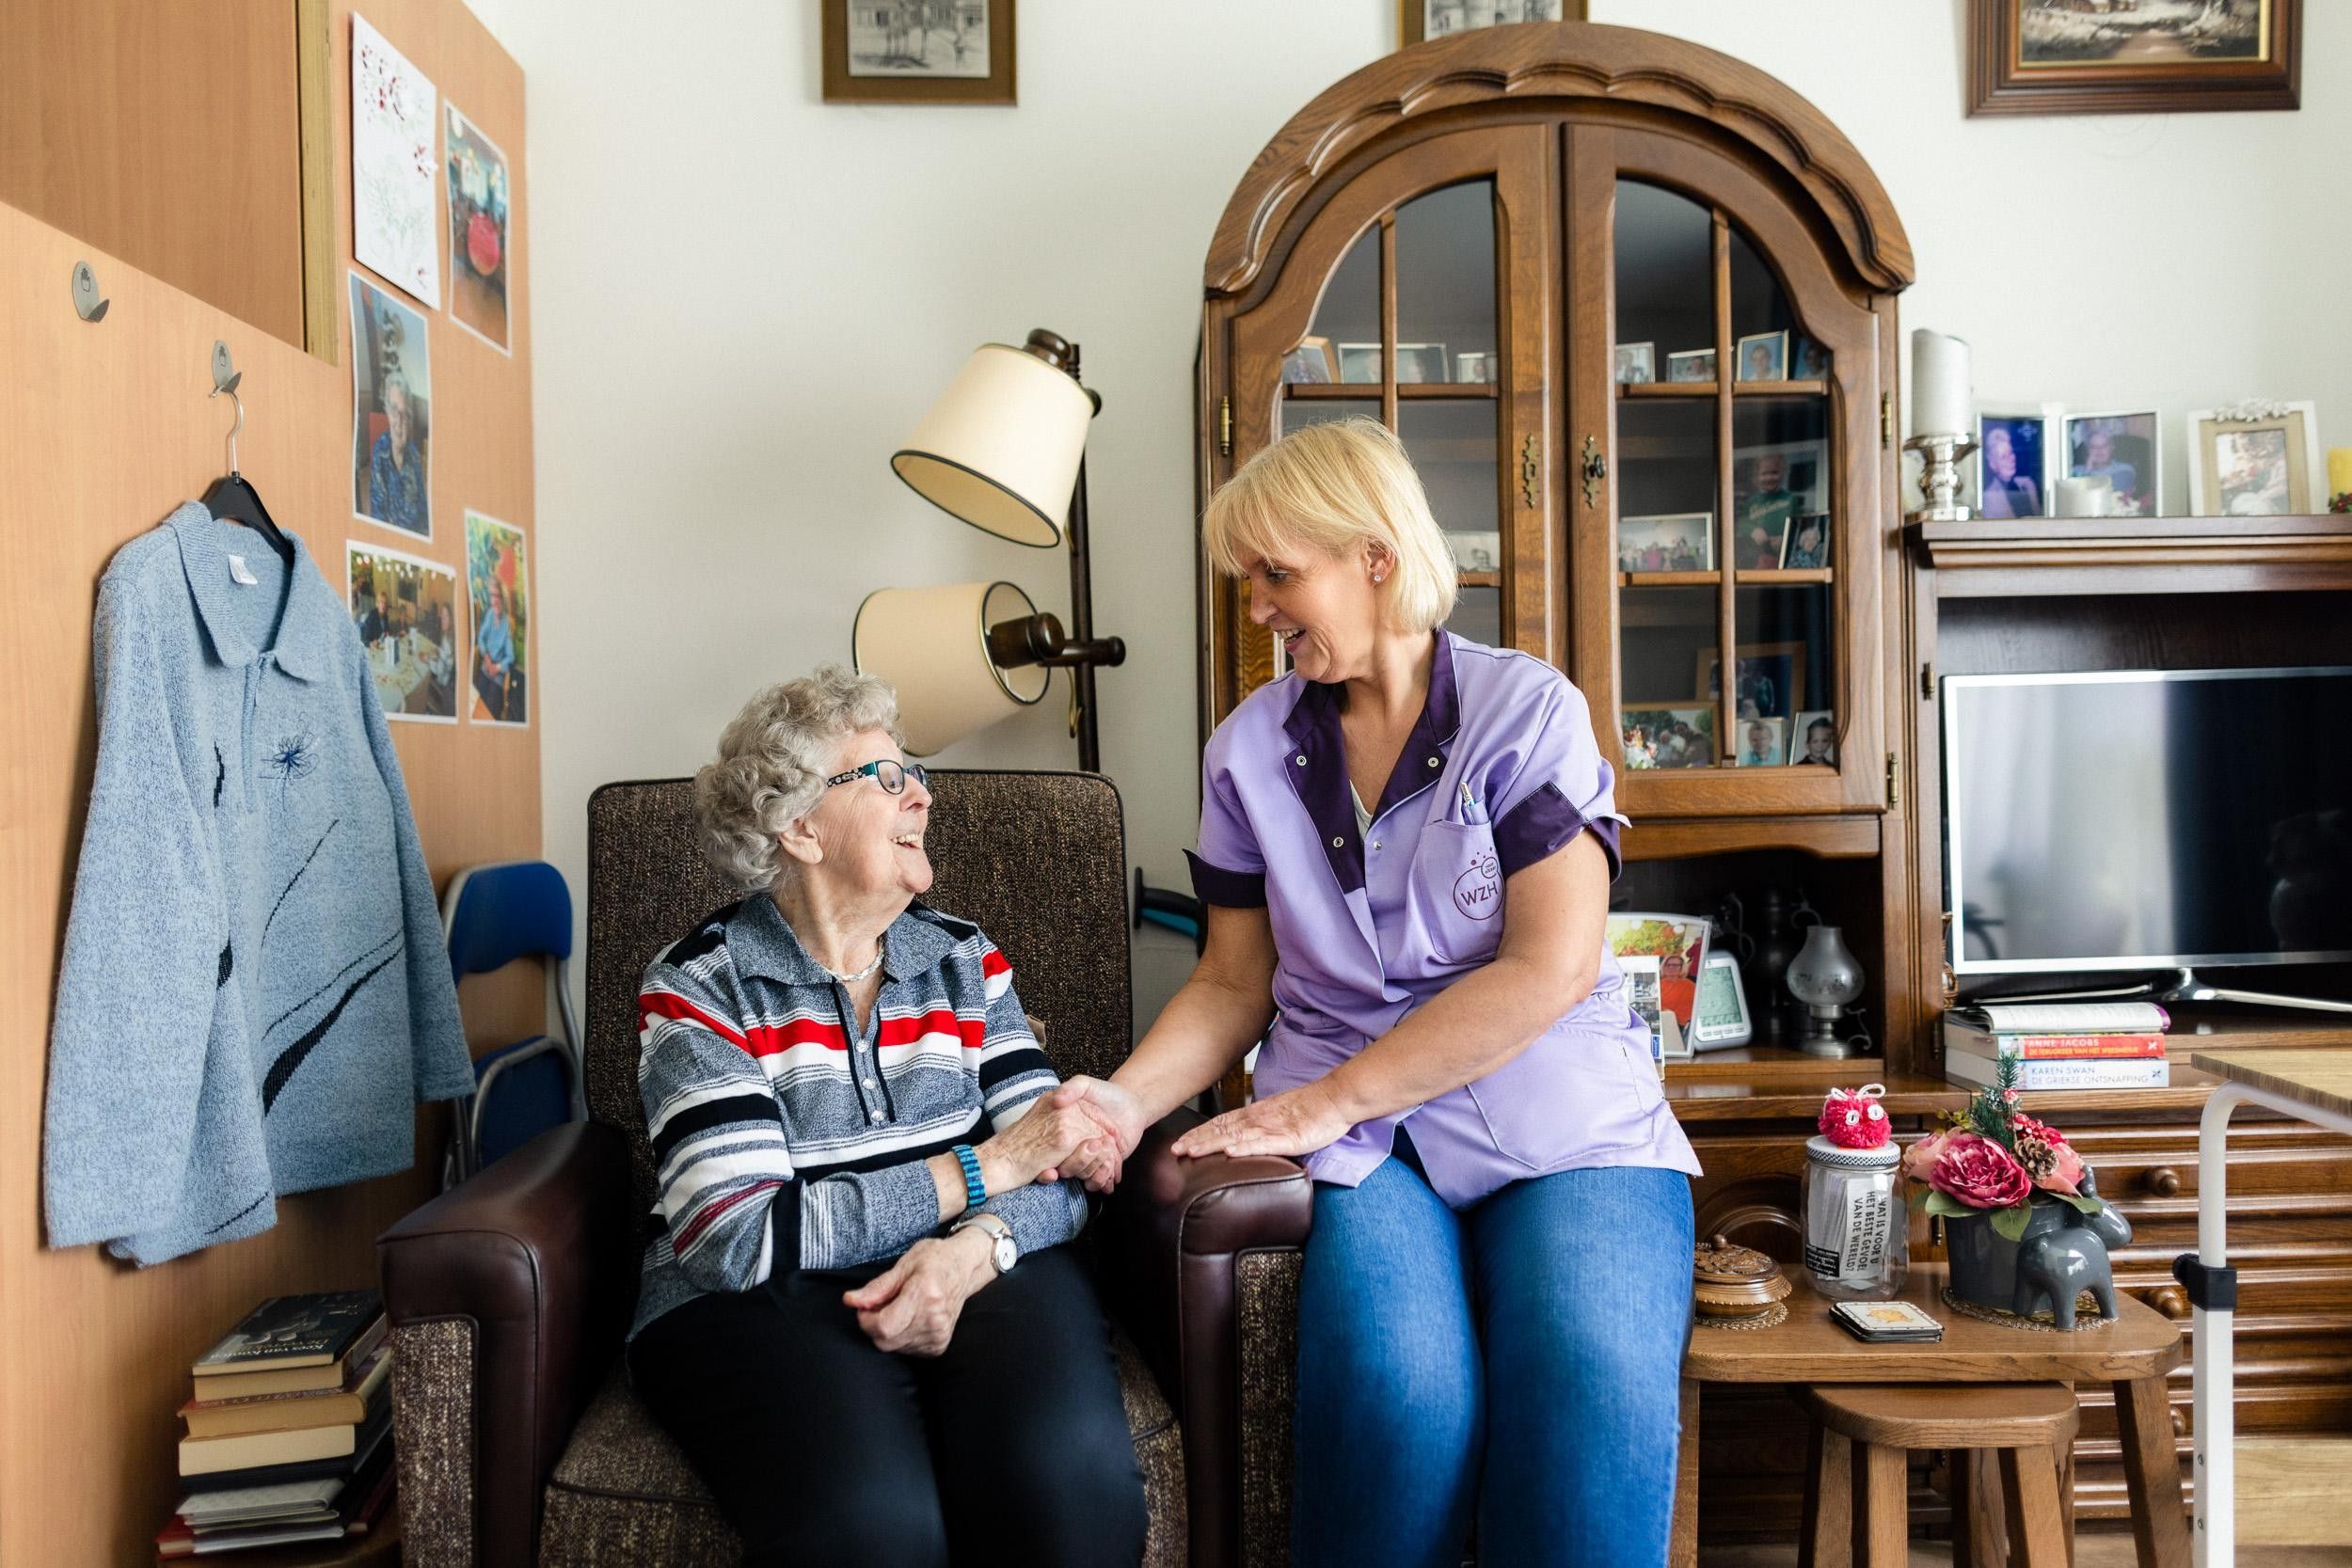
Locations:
column 1854, row 1118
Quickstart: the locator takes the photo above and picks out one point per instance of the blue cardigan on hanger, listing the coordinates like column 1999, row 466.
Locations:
column 255, row 993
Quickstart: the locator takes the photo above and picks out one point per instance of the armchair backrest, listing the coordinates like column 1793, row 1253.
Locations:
column 1038, row 861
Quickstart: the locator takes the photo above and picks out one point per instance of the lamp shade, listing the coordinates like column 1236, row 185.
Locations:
column 932, row 646
column 1000, row 448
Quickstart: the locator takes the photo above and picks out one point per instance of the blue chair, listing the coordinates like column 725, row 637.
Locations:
column 491, row 916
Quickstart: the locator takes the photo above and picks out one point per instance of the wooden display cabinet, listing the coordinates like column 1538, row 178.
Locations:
column 1455, row 242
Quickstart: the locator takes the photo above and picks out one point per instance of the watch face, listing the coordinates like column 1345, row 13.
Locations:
column 1007, row 1253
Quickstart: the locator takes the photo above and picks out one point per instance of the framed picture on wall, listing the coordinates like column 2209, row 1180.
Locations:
column 918, row 51
column 1419, row 21
column 2073, row 57
column 2256, row 461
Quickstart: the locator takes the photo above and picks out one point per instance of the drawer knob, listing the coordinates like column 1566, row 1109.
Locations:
column 2170, row 1300
column 2179, row 1422
column 2164, row 1181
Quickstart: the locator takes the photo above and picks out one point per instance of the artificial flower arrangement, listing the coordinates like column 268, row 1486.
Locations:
column 1992, row 1160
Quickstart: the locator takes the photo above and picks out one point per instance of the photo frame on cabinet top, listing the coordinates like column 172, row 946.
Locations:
column 849, row 77
column 1414, row 16
column 2048, row 57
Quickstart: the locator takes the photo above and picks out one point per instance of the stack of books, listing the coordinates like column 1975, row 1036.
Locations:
column 2060, row 1045
column 288, row 1434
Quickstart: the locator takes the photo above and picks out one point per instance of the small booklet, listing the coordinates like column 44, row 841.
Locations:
column 1884, row 1322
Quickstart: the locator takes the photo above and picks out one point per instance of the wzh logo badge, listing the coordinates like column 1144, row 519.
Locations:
column 1478, row 892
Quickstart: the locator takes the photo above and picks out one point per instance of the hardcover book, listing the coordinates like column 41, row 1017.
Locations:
column 314, row 1330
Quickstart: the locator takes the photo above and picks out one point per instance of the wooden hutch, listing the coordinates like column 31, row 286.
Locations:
column 1456, row 241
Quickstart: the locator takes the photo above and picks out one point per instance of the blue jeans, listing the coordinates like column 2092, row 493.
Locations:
column 1517, row 1363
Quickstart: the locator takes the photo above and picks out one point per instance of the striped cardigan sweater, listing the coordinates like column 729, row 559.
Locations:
column 785, row 1138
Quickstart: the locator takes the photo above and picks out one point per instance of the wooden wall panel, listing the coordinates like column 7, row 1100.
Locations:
column 103, row 428
column 167, row 133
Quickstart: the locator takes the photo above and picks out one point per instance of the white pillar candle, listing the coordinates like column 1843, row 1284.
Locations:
column 1940, row 391
column 2091, row 496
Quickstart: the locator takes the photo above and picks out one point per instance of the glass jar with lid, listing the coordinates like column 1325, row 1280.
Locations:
column 1856, row 1227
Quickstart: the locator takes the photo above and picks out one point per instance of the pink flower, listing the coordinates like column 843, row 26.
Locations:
column 1979, row 1173
column 1920, row 1157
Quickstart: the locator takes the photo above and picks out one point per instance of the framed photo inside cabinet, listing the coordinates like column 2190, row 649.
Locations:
column 2156, row 56
column 1419, row 21
column 918, row 52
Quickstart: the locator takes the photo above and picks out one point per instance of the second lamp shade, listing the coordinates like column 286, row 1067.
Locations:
column 1000, row 448
column 932, row 645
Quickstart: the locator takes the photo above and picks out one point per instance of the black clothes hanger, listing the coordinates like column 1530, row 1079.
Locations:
column 232, row 498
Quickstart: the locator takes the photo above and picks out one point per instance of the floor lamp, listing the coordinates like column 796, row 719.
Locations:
column 1004, row 449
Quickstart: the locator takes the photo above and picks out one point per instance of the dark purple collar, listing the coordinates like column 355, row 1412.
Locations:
column 1317, row 763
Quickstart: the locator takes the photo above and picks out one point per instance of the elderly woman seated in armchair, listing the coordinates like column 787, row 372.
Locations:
column 857, row 1317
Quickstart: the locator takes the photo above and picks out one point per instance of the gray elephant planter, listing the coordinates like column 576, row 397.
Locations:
column 2062, row 1254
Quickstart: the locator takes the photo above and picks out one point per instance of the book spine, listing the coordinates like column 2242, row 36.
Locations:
column 2035, row 1048
column 2121, row 1073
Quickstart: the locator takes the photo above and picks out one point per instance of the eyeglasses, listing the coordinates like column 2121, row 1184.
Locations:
column 888, row 772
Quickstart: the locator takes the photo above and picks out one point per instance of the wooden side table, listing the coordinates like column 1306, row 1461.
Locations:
column 2133, row 1352
column 2314, row 1087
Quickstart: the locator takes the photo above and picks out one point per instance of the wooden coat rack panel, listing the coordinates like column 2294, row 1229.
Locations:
column 103, row 428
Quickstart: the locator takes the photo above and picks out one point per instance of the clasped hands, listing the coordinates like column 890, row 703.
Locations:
column 1083, row 1130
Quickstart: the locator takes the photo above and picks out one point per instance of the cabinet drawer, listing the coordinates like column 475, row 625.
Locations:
column 2268, row 1160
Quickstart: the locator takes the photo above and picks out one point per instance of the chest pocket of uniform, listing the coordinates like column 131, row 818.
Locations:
column 1457, row 891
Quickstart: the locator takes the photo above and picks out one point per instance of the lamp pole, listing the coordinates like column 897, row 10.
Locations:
column 1081, row 653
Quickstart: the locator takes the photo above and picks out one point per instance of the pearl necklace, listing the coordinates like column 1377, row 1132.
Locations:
column 866, row 973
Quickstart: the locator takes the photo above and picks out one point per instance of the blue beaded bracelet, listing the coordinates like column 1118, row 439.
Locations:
column 975, row 1190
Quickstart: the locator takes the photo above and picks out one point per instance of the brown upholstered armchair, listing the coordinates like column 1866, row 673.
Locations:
column 520, row 1442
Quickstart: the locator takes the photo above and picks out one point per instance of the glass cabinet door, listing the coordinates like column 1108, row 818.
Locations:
column 1733, row 486
column 1420, row 318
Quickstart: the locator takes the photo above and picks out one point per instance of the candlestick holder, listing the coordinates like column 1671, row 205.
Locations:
column 1939, row 478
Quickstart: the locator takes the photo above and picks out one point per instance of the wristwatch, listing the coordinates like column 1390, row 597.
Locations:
column 1003, row 1251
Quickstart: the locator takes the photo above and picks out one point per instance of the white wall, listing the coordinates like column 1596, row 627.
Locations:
column 744, row 297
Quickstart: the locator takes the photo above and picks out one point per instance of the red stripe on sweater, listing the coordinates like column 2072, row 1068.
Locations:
column 760, row 1040
column 992, row 964
column 712, row 1212
column 939, row 1021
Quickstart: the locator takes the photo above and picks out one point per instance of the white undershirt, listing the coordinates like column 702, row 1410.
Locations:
column 1363, row 818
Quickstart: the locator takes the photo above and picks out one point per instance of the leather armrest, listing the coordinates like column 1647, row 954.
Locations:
column 538, row 1253
column 1171, row 1232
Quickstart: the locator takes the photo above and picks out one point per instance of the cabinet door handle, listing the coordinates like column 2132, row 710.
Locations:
column 2170, row 1300
column 1596, row 469
column 2164, row 1181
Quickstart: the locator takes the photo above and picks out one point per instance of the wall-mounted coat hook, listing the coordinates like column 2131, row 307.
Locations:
column 87, row 303
column 225, row 373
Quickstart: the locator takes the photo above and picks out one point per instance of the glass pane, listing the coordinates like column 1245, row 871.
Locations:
column 1666, row 487
column 1298, row 413
column 1780, row 482
column 1453, row 445
column 1666, row 720
column 1445, row 285
column 1665, row 286
column 1347, row 318
column 1478, row 615
column 1767, row 341
column 1785, row 698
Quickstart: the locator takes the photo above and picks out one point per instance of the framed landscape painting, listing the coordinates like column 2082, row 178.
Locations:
column 2145, row 57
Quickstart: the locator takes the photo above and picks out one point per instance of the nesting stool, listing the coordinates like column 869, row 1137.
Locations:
column 1865, row 1431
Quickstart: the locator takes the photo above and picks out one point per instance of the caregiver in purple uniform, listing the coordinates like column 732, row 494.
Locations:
column 1405, row 849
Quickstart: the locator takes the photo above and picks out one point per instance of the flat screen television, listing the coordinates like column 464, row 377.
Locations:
column 2145, row 819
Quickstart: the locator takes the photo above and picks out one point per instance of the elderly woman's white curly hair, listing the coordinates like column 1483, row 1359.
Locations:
column 774, row 759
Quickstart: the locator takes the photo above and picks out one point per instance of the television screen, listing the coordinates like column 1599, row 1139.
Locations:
column 2142, row 819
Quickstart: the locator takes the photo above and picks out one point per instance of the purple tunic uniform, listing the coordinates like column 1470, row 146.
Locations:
column 1368, row 927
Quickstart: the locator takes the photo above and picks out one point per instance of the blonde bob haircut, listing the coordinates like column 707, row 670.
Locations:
column 1336, row 488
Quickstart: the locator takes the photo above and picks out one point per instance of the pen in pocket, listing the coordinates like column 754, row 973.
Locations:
column 1472, row 813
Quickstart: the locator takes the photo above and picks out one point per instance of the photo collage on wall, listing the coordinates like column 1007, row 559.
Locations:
column 418, row 162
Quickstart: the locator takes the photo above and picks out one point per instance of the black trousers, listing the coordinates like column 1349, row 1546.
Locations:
column 1011, row 1448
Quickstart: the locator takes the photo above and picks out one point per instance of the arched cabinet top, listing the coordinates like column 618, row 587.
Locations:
column 1563, row 65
